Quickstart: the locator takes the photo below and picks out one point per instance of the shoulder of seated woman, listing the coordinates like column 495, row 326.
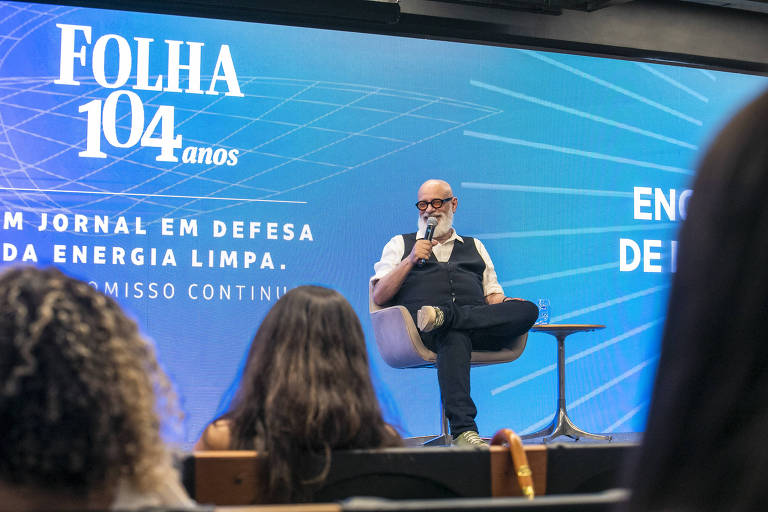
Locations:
column 216, row 436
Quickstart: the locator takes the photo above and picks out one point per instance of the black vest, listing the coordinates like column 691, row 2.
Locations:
column 460, row 279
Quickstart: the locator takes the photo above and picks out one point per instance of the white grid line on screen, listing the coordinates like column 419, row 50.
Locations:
column 399, row 149
column 612, row 87
column 139, row 163
column 672, row 81
column 379, row 91
column 30, row 193
column 227, row 115
column 244, row 151
column 581, row 113
column 384, row 155
column 546, row 190
column 282, row 164
column 401, row 114
column 578, row 152
column 598, row 390
column 164, row 171
column 382, row 92
column 79, row 144
column 584, row 353
column 30, row 201
column 251, row 175
column 577, row 231
column 625, row 418
column 135, row 162
column 609, row 303
column 26, row 193
column 22, row 79
column 387, row 92
column 126, row 160
column 562, row 273
column 708, row 74
column 46, row 17
column 65, row 181
column 33, row 8
column 322, row 116
column 59, row 177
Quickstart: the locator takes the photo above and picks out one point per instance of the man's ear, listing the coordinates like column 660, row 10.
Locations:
column 455, row 204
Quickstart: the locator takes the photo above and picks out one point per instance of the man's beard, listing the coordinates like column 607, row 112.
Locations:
column 444, row 223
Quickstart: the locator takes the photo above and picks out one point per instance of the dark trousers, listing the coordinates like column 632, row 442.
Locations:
column 467, row 328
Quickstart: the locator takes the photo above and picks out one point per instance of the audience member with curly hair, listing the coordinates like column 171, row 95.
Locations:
column 305, row 391
column 79, row 388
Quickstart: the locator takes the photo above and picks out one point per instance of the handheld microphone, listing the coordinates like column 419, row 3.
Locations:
column 428, row 234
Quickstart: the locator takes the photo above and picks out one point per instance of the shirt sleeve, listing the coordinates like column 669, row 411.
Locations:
column 391, row 256
column 490, row 281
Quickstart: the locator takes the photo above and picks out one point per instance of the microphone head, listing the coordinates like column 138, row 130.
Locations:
column 432, row 221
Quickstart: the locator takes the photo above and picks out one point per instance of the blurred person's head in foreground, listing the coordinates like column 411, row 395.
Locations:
column 78, row 408
column 703, row 446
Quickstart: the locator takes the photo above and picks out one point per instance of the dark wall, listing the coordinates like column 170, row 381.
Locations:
column 672, row 31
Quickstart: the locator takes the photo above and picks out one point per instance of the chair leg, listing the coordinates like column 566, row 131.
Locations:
column 445, row 438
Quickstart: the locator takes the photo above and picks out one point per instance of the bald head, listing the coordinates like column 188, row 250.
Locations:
column 434, row 189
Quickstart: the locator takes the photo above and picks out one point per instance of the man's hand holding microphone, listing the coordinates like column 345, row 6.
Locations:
column 423, row 248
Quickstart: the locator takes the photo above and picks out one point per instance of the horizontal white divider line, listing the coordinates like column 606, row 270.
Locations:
column 95, row 192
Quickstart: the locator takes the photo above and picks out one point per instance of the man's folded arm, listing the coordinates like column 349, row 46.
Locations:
column 392, row 269
column 389, row 284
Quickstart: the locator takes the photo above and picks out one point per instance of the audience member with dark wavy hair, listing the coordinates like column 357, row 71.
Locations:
column 79, row 427
column 703, row 446
column 306, row 390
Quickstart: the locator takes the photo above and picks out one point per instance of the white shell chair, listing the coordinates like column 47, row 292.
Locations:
column 400, row 346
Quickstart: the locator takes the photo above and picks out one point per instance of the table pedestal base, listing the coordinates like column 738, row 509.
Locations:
column 563, row 426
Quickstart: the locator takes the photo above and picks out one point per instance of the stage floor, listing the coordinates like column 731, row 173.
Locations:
column 618, row 437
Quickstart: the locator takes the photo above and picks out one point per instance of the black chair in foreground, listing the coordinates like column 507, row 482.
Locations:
column 232, row 477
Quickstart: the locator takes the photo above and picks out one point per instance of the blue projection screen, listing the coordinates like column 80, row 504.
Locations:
column 196, row 169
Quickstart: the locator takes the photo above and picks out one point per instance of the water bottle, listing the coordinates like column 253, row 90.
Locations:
column 543, row 305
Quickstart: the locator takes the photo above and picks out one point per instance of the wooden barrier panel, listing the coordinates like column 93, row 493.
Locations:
column 227, row 477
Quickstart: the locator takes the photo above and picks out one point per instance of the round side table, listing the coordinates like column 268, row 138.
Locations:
column 561, row 424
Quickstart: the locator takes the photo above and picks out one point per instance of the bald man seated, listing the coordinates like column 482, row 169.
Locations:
column 455, row 299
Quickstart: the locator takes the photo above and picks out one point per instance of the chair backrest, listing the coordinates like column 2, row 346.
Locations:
column 396, row 336
column 400, row 344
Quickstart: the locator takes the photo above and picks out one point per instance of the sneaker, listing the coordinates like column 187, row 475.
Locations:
column 429, row 318
column 469, row 439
